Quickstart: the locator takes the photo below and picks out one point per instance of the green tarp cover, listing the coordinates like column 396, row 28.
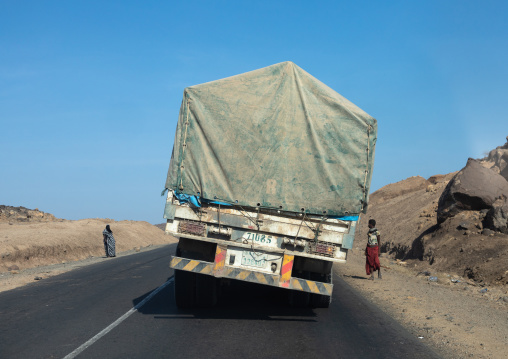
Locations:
column 276, row 136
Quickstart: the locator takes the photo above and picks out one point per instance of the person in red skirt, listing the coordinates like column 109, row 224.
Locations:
column 372, row 251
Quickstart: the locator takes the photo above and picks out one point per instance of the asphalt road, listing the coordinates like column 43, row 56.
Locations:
column 58, row 316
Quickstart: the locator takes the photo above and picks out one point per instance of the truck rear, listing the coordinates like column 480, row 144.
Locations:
column 269, row 173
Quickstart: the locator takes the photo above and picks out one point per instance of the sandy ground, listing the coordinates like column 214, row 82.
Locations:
column 456, row 319
column 30, row 250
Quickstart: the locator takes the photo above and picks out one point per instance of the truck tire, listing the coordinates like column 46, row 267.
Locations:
column 185, row 289
column 298, row 299
column 319, row 300
column 206, row 290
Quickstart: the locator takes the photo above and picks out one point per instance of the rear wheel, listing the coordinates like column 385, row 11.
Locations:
column 206, row 290
column 299, row 299
column 185, row 289
column 319, row 300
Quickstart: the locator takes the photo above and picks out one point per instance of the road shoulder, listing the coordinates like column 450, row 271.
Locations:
column 456, row 319
column 18, row 278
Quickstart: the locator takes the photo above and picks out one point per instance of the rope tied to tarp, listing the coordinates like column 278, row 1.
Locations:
column 184, row 145
column 318, row 228
column 366, row 168
column 303, row 220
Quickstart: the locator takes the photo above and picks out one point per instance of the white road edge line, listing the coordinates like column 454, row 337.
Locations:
column 117, row 322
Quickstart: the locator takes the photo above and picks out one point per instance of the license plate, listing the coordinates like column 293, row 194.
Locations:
column 252, row 259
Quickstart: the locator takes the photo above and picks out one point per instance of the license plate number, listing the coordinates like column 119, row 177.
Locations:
column 259, row 238
column 252, row 259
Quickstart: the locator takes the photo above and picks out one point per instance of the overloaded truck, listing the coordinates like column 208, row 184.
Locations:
column 269, row 173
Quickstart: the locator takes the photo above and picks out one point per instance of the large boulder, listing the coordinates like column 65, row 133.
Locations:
column 475, row 187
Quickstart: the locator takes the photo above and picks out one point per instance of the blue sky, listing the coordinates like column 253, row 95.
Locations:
column 90, row 90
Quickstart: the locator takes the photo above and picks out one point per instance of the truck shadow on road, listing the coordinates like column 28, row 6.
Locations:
column 238, row 300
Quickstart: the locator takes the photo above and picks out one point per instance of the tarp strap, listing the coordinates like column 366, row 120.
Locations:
column 184, row 144
column 366, row 168
column 303, row 219
column 257, row 219
column 246, row 215
column 218, row 217
column 311, row 226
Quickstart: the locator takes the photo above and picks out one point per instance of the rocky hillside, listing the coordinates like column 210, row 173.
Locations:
column 22, row 214
column 454, row 224
column 161, row 226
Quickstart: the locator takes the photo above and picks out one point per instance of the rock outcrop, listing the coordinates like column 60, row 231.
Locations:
column 497, row 218
column 475, row 187
column 497, row 160
column 22, row 214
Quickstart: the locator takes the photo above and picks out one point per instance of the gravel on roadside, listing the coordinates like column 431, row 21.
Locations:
column 453, row 315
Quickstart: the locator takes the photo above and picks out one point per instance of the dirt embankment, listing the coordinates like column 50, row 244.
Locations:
column 460, row 248
column 31, row 238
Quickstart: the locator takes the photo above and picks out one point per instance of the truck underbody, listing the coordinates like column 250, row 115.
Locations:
column 218, row 242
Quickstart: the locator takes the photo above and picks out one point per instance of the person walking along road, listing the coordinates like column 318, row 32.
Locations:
column 109, row 242
column 372, row 251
